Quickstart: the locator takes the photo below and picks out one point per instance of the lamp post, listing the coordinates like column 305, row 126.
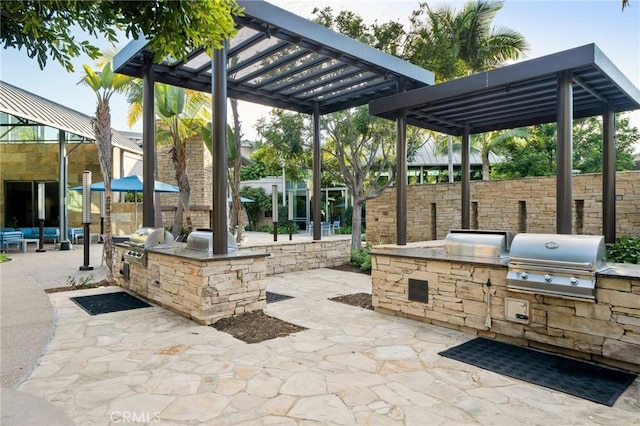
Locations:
column 41, row 214
column 86, row 217
column 274, row 210
column 102, row 210
column 290, row 214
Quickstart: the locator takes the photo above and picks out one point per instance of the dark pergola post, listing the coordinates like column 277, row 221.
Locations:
column 219, row 143
column 466, row 179
column 148, row 147
column 401, row 178
column 609, row 176
column 564, row 152
column 317, row 159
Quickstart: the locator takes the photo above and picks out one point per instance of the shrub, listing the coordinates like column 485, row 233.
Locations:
column 624, row 250
column 360, row 256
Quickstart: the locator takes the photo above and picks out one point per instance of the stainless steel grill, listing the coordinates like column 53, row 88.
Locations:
column 144, row 239
column 202, row 240
column 562, row 265
column 478, row 243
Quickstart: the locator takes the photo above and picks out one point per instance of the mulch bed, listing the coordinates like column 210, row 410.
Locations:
column 351, row 268
column 361, row 300
column 256, row 327
column 103, row 283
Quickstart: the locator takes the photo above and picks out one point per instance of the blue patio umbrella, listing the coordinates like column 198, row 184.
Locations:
column 131, row 183
column 242, row 200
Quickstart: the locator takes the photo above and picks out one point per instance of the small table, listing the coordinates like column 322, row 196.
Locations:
column 24, row 241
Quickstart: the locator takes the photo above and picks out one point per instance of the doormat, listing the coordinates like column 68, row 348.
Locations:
column 109, row 302
column 275, row 297
column 578, row 378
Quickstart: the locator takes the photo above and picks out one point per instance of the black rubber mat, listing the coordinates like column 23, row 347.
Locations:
column 578, row 378
column 109, row 302
column 275, row 297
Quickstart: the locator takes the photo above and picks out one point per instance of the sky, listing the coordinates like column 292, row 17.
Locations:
column 548, row 27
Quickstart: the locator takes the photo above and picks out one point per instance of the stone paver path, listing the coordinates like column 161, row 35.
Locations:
column 351, row 366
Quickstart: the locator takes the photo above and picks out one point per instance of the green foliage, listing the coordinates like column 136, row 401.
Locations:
column 3, row 257
column 361, row 258
column 132, row 197
column 282, row 229
column 44, row 28
column 536, row 156
column 255, row 171
column 455, row 43
column 262, row 203
column 624, row 250
column 87, row 281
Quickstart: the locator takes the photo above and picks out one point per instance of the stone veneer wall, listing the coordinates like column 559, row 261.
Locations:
column 39, row 162
column 199, row 171
column 522, row 205
column 607, row 331
column 300, row 256
column 204, row 291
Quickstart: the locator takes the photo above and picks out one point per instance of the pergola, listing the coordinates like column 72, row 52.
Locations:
column 576, row 83
column 277, row 59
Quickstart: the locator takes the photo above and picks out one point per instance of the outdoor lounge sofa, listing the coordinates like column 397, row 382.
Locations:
column 8, row 238
column 51, row 233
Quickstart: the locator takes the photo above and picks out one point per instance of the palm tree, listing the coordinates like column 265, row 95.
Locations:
column 105, row 83
column 181, row 113
column 485, row 144
column 453, row 44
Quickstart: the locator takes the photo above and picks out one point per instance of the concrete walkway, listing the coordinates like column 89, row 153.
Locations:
column 350, row 366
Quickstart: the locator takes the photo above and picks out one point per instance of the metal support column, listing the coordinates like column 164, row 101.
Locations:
column 219, row 143
column 401, row 178
column 609, row 176
column 564, row 152
column 65, row 244
column 317, row 160
column 466, row 179
column 148, row 147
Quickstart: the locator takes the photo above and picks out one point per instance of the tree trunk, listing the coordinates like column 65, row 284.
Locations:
column 486, row 169
column 356, row 226
column 179, row 158
column 102, row 129
column 237, row 164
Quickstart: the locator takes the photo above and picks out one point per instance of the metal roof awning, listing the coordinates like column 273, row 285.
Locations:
column 281, row 60
column 25, row 105
column 517, row 95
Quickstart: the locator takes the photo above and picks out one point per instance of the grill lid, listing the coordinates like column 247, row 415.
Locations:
column 478, row 243
column 151, row 237
column 202, row 240
column 584, row 252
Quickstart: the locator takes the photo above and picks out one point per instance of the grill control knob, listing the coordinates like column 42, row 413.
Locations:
column 548, row 278
column 524, row 276
column 573, row 281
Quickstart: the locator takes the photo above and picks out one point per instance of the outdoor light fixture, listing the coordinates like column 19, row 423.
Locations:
column 41, row 214
column 290, row 214
column 86, row 217
column 274, row 210
column 102, row 213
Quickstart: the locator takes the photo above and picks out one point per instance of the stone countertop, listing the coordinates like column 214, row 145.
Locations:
column 621, row 270
column 180, row 250
column 437, row 253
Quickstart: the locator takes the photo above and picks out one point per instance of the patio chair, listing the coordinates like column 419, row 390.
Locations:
column 326, row 228
column 335, row 227
column 309, row 228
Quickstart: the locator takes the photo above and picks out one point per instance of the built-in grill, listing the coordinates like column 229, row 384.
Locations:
column 562, row 265
column 202, row 240
column 144, row 239
column 478, row 243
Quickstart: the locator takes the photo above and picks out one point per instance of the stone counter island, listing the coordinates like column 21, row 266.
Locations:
column 422, row 282
column 196, row 284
